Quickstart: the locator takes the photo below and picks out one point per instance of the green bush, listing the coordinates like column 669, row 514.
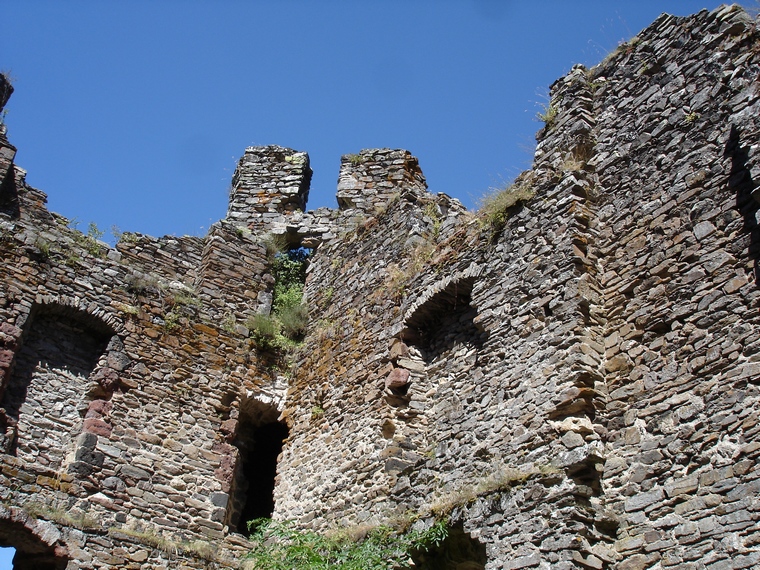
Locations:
column 548, row 115
column 289, row 270
column 286, row 326
column 264, row 330
column 279, row 546
column 294, row 320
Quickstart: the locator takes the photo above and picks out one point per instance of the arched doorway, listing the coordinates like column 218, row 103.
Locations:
column 31, row 551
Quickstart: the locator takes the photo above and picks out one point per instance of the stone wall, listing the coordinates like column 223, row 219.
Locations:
column 573, row 384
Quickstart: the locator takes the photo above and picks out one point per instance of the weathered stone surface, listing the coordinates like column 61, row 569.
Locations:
column 397, row 378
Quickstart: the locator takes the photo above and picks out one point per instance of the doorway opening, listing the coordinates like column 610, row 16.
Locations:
column 459, row 551
column 259, row 440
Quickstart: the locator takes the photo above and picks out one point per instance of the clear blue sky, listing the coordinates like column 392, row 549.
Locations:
column 135, row 113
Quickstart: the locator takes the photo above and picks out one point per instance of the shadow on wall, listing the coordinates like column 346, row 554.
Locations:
column 740, row 181
column 459, row 551
column 9, row 203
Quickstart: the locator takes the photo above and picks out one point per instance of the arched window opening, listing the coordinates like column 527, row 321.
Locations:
column 27, row 551
column 47, row 390
column 443, row 319
column 459, row 551
column 259, row 440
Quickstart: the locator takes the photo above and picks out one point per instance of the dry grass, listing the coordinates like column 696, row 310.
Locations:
column 497, row 206
column 199, row 548
column 500, row 479
column 62, row 516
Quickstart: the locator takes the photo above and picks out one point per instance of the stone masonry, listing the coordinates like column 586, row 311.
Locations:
column 574, row 386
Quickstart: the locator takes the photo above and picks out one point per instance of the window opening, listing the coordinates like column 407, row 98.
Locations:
column 289, row 268
column 50, row 379
column 281, row 325
column 443, row 320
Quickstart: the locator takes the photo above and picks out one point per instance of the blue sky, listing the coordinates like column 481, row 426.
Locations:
column 134, row 113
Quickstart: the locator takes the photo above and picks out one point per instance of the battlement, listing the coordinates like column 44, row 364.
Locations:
column 370, row 179
column 270, row 190
column 269, row 182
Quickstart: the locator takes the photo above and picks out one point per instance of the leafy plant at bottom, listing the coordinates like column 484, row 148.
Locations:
column 266, row 332
column 280, row 546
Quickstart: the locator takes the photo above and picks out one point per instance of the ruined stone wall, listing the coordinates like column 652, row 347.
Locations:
column 573, row 384
column 606, row 356
column 117, row 373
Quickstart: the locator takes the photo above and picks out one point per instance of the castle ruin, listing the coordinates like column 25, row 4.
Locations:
column 574, row 381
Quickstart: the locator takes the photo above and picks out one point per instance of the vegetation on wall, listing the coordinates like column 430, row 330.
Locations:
column 496, row 207
column 280, row 546
column 548, row 115
column 285, row 326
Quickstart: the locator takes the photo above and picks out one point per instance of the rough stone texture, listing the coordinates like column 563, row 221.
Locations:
column 579, row 389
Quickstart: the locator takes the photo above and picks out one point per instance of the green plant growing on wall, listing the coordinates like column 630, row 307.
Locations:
column 88, row 241
column 548, row 115
column 171, row 321
column 141, row 283
column 266, row 332
column 229, row 323
column 496, row 207
column 317, row 412
column 72, row 259
column 327, row 296
column 129, row 310
column 431, row 211
column 354, row 159
column 399, row 277
column 123, row 237
column 297, row 159
column 289, row 270
column 185, row 298
column 280, row 546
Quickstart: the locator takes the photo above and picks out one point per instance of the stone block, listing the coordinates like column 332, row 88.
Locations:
column 643, row 500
